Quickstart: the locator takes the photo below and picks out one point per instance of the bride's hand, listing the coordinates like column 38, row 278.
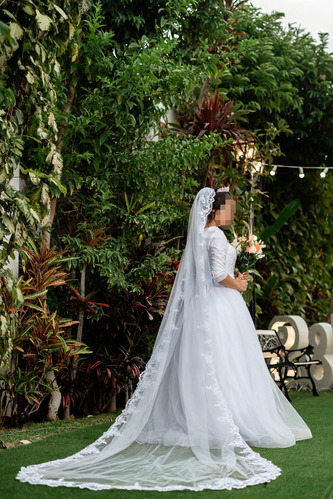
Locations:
column 241, row 283
column 244, row 276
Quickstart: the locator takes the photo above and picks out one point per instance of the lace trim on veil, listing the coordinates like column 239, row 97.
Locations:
column 206, row 200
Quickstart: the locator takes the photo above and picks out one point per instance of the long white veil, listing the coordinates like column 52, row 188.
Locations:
column 176, row 431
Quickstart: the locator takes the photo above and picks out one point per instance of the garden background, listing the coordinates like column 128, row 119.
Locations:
column 115, row 114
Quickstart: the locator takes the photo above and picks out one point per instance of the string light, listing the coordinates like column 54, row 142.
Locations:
column 323, row 173
column 247, row 152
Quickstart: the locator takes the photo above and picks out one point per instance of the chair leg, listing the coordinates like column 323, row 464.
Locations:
column 314, row 388
column 283, row 385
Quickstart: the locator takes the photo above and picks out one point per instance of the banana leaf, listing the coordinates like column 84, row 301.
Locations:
column 288, row 211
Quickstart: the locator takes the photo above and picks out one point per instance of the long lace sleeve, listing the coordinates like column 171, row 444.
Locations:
column 217, row 251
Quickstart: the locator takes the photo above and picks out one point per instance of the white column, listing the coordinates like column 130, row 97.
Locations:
column 13, row 264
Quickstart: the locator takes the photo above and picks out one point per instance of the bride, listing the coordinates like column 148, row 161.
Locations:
column 206, row 396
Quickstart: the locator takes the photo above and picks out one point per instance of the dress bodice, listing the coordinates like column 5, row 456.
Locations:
column 222, row 255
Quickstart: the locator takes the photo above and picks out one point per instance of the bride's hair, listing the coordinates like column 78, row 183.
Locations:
column 219, row 199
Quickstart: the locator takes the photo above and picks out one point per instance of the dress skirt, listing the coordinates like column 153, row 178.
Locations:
column 259, row 408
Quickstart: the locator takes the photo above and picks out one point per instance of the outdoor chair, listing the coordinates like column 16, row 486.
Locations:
column 287, row 360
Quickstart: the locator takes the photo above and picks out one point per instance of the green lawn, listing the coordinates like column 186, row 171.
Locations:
column 307, row 467
column 36, row 432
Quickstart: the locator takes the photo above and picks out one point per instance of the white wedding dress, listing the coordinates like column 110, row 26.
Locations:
column 205, row 397
column 262, row 413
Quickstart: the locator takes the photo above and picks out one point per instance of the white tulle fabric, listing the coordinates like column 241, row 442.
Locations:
column 205, row 396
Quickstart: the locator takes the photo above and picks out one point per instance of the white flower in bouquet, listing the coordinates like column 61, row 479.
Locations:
column 237, row 245
column 249, row 251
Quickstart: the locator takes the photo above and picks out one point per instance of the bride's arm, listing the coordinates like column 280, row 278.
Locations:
column 217, row 249
column 236, row 283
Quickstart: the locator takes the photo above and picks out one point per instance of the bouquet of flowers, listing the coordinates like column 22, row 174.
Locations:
column 249, row 251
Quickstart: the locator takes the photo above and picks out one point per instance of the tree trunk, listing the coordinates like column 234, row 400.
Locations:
column 83, row 294
column 112, row 406
column 203, row 91
column 81, row 313
column 67, row 412
column 61, row 133
column 126, row 394
column 55, row 399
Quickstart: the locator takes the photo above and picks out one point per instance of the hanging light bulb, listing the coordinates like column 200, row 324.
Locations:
column 301, row 172
column 324, row 172
column 273, row 171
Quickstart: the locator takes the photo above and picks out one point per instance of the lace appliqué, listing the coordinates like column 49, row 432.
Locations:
column 206, row 201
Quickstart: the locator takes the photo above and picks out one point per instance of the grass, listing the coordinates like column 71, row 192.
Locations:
column 307, row 467
column 35, row 432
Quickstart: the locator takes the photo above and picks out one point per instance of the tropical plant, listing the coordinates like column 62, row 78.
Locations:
column 220, row 117
column 122, row 342
column 35, row 38
column 37, row 348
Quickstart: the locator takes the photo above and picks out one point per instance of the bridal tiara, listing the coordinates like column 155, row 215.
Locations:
column 223, row 189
